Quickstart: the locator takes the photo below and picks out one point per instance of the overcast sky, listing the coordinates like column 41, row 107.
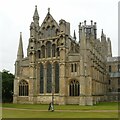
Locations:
column 16, row 16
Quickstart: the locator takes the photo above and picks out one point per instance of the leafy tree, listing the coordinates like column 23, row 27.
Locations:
column 7, row 86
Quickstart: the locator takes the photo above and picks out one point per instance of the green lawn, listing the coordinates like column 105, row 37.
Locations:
column 37, row 114
column 100, row 106
column 61, row 111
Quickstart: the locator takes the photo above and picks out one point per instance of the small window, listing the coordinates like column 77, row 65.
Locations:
column 118, row 89
column 118, row 67
column 71, row 67
column 110, row 90
column 75, row 67
column 39, row 54
column 109, row 68
column 119, row 81
column 109, row 82
column 58, row 52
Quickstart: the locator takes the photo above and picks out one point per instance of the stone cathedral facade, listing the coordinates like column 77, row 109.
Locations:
column 75, row 72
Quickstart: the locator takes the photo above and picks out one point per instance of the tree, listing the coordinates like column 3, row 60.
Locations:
column 7, row 86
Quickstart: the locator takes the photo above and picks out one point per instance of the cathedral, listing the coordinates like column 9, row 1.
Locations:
column 59, row 68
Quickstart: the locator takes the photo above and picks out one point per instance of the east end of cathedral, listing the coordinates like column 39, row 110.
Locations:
column 75, row 72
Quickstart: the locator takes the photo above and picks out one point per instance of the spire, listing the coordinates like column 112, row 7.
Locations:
column 74, row 35
column 102, row 34
column 36, row 15
column 48, row 10
column 20, row 54
column 109, row 47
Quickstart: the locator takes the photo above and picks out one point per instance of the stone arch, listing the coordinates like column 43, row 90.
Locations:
column 74, row 87
column 23, row 88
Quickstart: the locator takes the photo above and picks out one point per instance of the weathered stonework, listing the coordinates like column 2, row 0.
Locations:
column 82, row 77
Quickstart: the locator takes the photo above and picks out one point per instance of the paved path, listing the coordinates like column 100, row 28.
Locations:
column 5, row 108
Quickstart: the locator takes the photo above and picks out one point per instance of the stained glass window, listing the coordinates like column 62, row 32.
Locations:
column 56, row 78
column 49, row 78
column 23, row 88
column 41, row 78
column 74, row 88
column 53, row 50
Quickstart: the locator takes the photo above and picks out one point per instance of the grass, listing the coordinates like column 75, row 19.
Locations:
column 32, row 111
column 37, row 114
column 100, row 106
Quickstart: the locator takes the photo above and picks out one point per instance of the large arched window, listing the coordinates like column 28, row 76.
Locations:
column 53, row 50
column 41, row 78
column 48, row 49
column 49, row 78
column 74, row 88
column 43, row 51
column 56, row 77
column 23, row 88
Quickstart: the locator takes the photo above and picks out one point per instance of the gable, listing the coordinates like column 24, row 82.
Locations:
column 49, row 27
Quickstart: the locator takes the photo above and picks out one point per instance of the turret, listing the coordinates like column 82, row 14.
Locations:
column 64, row 26
column 20, row 53
column 36, row 17
column 74, row 36
column 109, row 47
column 34, row 26
column 103, row 37
column 89, row 30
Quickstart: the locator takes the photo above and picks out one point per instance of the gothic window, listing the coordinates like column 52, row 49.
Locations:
column 109, row 68
column 75, row 67
column 109, row 89
column 23, row 88
column 118, row 67
column 58, row 52
column 56, row 77
column 74, row 88
column 49, row 78
column 53, row 50
column 43, row 51
column 118, row 81
column 48, row 49
column 41, row 78
column 39, row 54
column 109, row 82
column 118, row 89
column 71, row 67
